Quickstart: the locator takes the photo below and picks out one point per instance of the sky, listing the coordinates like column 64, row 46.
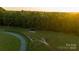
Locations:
column 41, row 5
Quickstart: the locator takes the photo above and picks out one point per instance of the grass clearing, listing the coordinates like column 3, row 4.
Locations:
column 8, row 42
column 57, row 41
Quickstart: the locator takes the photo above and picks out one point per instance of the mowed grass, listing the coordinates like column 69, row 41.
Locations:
column 8, row 42
column 57, row 41
column 16, row 43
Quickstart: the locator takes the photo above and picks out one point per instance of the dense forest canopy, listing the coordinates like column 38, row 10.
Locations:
column 48, row 21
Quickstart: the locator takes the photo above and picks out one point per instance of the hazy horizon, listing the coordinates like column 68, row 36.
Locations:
column 46, row 9
column 29, row 8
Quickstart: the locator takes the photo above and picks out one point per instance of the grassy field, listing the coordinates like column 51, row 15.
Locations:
column 13, row 44
column 55, row 41
column 40, row 40
column 8, row 42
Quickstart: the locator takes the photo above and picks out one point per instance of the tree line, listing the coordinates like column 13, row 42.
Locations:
column 48, row 21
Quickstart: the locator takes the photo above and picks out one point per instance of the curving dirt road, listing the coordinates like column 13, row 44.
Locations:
column 21, row 38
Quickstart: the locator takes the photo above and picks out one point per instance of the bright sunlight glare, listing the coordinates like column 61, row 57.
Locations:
column 42, row 5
